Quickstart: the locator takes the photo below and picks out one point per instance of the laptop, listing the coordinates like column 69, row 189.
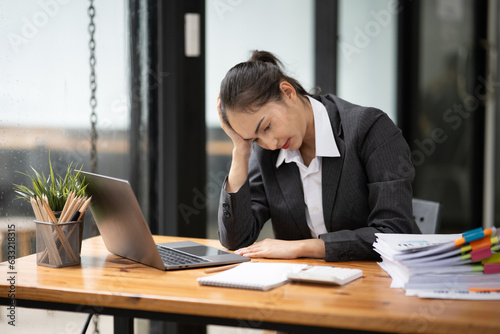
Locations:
column 125, row 232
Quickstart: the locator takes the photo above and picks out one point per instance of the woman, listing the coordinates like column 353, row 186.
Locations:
column 329, row 174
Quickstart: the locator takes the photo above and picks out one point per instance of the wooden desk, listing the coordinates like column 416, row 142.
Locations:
column 108, row 284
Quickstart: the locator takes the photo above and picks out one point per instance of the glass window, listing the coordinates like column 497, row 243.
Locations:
column 496, row 112
column 44, row 99
column 44, row 108
column 367, row 53
column 441, row 148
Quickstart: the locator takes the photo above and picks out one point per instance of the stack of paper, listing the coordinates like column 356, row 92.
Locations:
column 438, row 265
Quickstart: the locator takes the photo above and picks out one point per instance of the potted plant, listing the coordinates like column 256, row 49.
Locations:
column 59, row 204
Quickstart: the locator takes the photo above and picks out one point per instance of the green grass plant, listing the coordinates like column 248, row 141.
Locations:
column 55, row 189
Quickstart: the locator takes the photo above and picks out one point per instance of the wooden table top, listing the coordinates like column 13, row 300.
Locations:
column 107, row 280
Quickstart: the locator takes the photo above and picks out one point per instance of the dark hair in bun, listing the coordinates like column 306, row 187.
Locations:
column 251, row 84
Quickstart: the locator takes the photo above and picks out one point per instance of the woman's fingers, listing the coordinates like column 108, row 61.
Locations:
column 238, row 141
column 271, row 248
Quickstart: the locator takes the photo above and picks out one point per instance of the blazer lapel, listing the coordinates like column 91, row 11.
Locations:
column 332, row 167
column 331, row 172
column 288, row 176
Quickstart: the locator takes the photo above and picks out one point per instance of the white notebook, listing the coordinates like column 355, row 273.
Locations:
column 254, row 276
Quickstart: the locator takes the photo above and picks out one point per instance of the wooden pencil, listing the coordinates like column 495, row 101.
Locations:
column 69, row 200
column 84, row 207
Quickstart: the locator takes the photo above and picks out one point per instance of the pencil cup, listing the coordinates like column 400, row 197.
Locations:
column 57, row 214
column 58, row 244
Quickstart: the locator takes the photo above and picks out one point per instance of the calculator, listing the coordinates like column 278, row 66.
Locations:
column 326, row 275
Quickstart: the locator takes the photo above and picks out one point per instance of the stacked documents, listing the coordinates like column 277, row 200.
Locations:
column 465, row 266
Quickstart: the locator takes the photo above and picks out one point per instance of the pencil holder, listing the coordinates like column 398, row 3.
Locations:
column 58, row 244
column 57, row 214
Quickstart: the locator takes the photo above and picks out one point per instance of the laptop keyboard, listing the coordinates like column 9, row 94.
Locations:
column 174, row 257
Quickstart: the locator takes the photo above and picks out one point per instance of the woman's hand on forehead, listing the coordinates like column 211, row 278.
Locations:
column 238, row 142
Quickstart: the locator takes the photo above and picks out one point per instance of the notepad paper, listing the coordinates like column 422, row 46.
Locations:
column 254, row 276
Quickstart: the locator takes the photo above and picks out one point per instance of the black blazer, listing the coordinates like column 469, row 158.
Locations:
column 367, row 190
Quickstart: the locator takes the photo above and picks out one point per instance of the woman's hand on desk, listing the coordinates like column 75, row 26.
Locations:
column 284, row 249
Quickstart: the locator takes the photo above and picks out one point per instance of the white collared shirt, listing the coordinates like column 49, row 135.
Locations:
column 311, row 175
